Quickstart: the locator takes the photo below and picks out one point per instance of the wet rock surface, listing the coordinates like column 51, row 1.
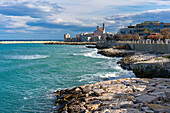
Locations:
column 116, row 52
column 143, row 64
column 146, row 65
column 129, row 95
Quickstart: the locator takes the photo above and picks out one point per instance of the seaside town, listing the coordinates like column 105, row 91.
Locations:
column 143, row 49
column 85, row 56
column 153, row 30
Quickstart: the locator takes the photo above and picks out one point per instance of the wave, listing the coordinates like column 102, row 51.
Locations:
column 25, row 57
column 102, row 76
column 93, row 54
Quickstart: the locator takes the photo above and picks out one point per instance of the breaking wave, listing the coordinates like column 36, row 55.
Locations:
column 102, row 76
column 93, row 54
column 25, row 57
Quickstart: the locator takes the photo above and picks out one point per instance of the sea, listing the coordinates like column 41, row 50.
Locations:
column 30, row 73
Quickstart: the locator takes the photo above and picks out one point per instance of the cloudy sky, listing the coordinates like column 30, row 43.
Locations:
column 50, row 19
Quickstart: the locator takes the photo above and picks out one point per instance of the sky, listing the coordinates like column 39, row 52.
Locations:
column 51, row 19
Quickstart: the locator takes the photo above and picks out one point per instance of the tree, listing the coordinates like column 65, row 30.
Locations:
column 108, row 38
column 146, row 31
column 136, row 36
column 150, row 31
column 165, row 33
column 119, row 36
column 128, row 37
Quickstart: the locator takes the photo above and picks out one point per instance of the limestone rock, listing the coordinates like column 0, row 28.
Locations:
column 126, row 104
column 159, row 108
column 129, row 95
column 98, row 91
column 146, row 98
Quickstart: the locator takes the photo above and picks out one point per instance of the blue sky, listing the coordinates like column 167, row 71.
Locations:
column 51, row 19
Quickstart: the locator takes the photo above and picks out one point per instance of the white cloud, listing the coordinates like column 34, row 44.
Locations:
column 87, row 13
column 18, row 21
column 43, row 8
column 155, row 11
column 17, row 31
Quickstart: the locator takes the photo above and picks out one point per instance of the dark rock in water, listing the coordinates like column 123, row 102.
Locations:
column 115, row 52
column 125, row 47
column 91, row 46
column 147, row 65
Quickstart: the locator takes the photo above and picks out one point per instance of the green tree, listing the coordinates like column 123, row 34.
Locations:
column 136, row 36
column 119, row 36
column 128, row 37
column 165, row 33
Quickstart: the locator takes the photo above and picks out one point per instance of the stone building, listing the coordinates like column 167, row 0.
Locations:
column 154, row 26
column 67, row 37
column 98, row 34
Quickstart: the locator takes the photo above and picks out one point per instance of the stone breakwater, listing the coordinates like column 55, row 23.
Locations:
column 130, row 95
column 71, row 43
column 143, row 64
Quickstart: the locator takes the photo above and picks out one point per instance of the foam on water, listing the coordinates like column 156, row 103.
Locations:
column 26, row 57
column 114, row 72
column 92, row 78
column 93, row 54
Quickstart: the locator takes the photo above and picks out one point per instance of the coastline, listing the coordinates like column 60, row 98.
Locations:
column 96, row 98
column 129, row 95
column 143, row 64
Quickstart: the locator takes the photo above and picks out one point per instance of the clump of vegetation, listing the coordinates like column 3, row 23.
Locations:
column 166, row 56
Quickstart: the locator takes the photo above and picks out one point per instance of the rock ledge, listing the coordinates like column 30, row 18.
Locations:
column 130, row 95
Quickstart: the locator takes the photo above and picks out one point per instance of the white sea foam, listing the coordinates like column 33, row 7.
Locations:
column 50, row 96
column 106, row 75
column 93, row 54
column 30, row 57
column 117, row 67
column 25, row 98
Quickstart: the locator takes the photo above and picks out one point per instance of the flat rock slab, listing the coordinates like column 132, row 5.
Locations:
column 129, row 95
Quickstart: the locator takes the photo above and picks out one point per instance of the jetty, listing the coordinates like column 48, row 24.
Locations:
column 23, row 42
column 70, row 43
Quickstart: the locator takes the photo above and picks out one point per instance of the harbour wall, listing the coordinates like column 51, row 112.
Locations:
column 163, row 47
column 71, row 43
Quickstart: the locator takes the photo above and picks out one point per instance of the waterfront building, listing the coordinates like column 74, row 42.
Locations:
column 98, row 34
column 99, row 31
column 67, row 37
column 154, row 26
column 128, row 30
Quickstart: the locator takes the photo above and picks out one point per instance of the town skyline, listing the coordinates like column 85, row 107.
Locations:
column 47, row 19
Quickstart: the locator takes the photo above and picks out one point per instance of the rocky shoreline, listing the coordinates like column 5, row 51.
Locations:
column 143, row 64
column 130, row 95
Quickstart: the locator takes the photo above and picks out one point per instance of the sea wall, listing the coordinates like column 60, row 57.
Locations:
column 163, row 48
column 139, row 45
column 71, row 43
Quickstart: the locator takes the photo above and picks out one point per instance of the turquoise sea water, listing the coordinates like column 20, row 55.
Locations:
column 30, row 73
